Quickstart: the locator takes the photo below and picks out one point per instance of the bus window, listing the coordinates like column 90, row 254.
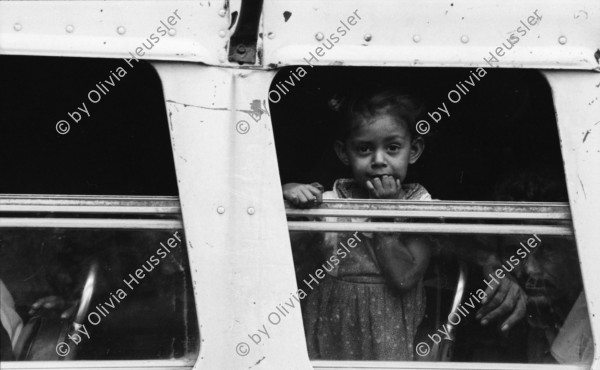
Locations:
column 128, row 291
column 477, row 263
column 118, row 147
column 93, row 257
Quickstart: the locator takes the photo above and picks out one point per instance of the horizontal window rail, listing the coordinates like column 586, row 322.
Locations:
column 89, row 223
column 429, row 228
column 557, row 214
column 177, row 364
column 424, row 365
column 86, row 212
column 329, row 208
column 89, row 204
column 436, row 209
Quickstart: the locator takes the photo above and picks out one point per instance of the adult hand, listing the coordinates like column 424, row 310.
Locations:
column 54, row 303
column 505, row 298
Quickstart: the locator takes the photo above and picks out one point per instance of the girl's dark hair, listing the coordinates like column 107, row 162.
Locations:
column 350, row 110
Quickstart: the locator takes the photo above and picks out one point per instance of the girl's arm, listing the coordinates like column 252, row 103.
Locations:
column 303, row 195
column 403, row 260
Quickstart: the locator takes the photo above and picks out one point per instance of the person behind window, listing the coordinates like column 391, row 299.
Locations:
column 371, row 301
column 559, row 328
column 11, row 324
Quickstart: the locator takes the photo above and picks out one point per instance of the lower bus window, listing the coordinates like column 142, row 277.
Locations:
column 83, row 294
column 363, row 302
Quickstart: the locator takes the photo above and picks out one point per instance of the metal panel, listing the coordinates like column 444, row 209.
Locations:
column 433, row 33
column 578, row 116
column 114, row 29
column 234, row 216
column 392, row 33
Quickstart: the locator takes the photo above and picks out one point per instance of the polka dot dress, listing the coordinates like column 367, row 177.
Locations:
column 353, row 314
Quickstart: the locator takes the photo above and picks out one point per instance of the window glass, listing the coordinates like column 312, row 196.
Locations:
column 354, row 311
column 447, row 244
column 128, row 291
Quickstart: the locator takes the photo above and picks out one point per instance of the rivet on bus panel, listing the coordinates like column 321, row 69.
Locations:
column 367, row 37
column 562, row 40
column 121, row 30
column 172, row 31
column 464, row 39
column 222, row 33
column 416, row 38
column 70, row 28
column 319, row 36
column 222, row 56
column 18, row 27
column 221, row 210
column 251, row 210
column 222, row 12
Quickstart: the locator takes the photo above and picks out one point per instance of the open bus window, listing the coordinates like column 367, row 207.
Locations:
column 118, row 147
column 87, row 276
column 464, row 251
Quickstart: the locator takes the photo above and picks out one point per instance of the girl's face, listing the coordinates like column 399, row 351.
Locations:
column 378, row 146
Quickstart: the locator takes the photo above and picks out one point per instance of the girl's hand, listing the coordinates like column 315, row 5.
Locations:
column 303, row 195
column 385, row 188
column 403, row 260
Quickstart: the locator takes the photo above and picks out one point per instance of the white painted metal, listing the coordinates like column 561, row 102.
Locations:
column 113, row 29
column 242, row 263
column 432, row 33
column 578, row 114
column 399, row 32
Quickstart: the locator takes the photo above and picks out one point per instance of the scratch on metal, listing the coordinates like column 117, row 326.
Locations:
column 255, row 112
column 582, row 187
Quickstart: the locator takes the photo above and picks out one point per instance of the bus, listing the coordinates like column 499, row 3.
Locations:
column 146, row 145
